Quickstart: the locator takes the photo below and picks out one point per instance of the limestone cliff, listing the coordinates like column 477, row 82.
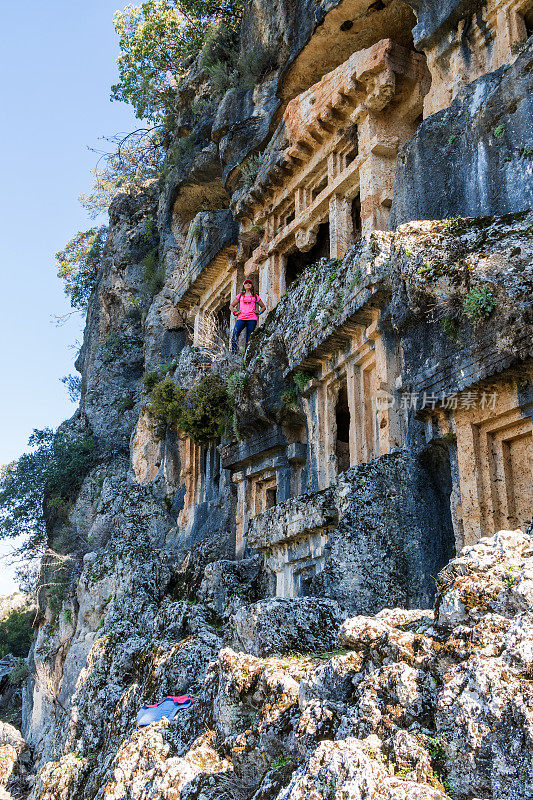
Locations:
column 280, row 532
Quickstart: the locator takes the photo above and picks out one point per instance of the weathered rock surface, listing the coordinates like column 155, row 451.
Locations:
column 475, row 156
column 15, row 763
column 411, row 707
column 345, row 769
column 284, row 625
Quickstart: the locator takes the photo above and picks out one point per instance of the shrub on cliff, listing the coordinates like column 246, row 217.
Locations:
column 205, row 410
column 79, row 264
column 201, row 412
column 41, row 483
column 479, row 304
column 165, row 406
column 16, row 632
column 226, row 68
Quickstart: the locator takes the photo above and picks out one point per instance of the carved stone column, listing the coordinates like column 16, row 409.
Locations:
column 340, row 226
column 241, row 517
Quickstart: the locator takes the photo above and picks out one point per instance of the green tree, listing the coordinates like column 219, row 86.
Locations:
column 16, row 633
column 41, row 482
column 157, row 41
column 154, row 40
column 79, row 263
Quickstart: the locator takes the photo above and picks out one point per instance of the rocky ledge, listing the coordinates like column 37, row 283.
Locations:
column 405, row 705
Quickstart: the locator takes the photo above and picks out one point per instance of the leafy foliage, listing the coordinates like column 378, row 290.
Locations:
column 235, row 383
column 19, row 672
column 42, row 481
column 220, row 59
column 200, row 412
column 79, row 264
column 151, row 378
column 166, row 406
column 479, row 304
column 301, row 379
column 153, row 274
column 74, row 384
column 205, row 410
column 154, row 40
column 126, row 402
column 57, row 573
column 16, row 633
column 220, row 44
column 290, row 395
column 180, row 152
column 250, row 169
column 222, row 77
column 158, row 40
column 134, row 159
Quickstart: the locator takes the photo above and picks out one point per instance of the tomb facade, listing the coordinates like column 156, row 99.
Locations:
column 333, row 177
column 351, row 416
column 320, row 190
column 490, row 428
column 462, row 44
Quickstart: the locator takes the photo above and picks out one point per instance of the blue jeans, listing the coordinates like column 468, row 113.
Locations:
column 241, row 325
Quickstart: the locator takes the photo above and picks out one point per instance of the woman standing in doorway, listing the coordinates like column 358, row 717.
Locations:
column 245, row 307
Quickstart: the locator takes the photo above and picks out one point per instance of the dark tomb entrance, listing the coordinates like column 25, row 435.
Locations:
column 298, row 261
column 342, row 420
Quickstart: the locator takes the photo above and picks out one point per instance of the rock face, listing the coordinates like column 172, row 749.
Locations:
column 413, row 705
column 15, row 763
column 376, row 539
column 488, row 131
column 274, row 531
column 281, row 626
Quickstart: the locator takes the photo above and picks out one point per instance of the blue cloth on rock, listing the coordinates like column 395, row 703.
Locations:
column 168, row 708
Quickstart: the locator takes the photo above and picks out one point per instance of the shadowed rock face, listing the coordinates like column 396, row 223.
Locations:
column 474, row 157
column 436, row 19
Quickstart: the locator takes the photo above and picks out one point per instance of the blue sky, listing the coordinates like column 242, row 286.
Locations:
column 57, row 62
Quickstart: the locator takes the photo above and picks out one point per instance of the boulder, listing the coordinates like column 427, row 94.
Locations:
column 347, row 770
column 284, row 625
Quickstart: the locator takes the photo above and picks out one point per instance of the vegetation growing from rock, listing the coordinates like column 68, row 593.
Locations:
column 79, row 264
column 157, row 41
column 153, row 273
column 74, row 385
column 165, row 406
column 479, row 303
column 41, row 483
column 200, row 412
column 16, row 632
column 205, row 409
column 20, row 671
